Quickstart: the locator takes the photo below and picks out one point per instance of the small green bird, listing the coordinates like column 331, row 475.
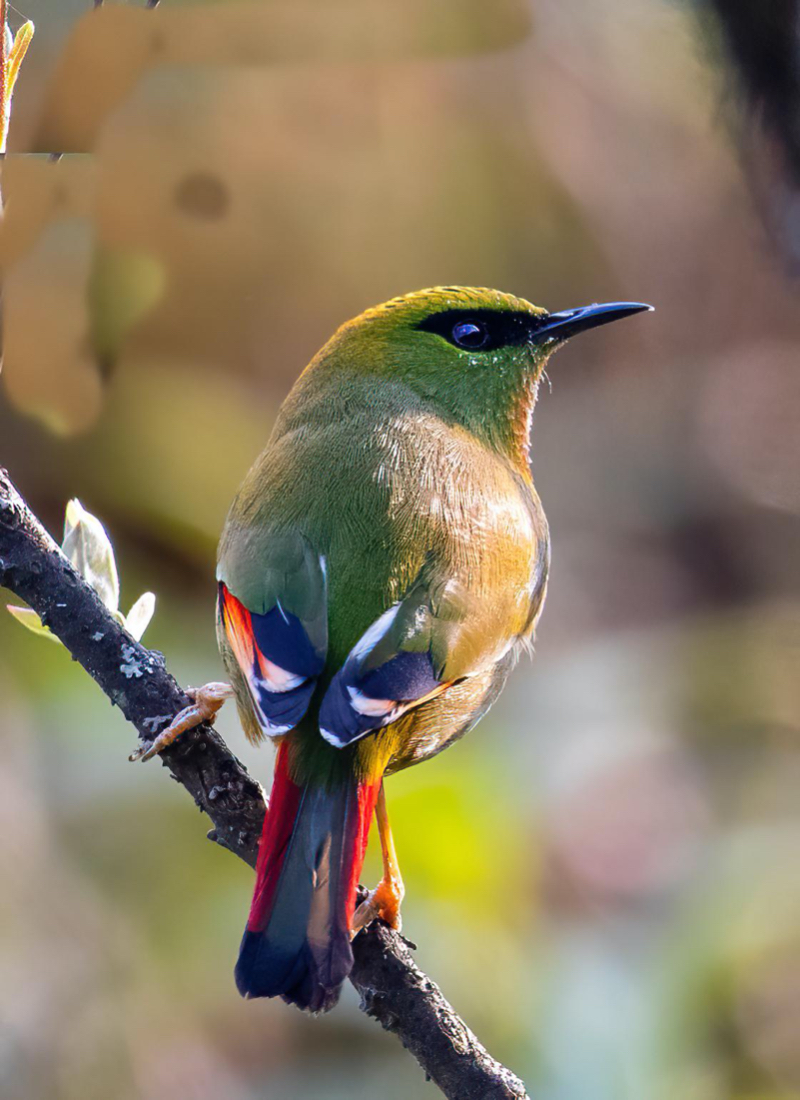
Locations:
column 381, row 569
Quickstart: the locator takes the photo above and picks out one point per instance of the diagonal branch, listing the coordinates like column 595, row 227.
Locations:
column 134, row 678
column 393, row 989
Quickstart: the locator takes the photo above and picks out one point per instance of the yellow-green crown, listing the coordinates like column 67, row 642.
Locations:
column 440, row 298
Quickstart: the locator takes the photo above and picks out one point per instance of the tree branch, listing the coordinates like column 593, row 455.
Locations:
column 393, row 989
column 404, row 1000
column 134, row 678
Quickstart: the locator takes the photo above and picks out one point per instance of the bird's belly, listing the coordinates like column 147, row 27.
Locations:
column 436, row 725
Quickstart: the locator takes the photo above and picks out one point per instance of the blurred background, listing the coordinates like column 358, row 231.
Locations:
column 603, row 878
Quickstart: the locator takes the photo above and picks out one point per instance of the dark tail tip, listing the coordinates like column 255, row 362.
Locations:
column 263, row 970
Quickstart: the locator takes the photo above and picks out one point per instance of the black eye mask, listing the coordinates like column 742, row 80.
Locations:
column 483, row 329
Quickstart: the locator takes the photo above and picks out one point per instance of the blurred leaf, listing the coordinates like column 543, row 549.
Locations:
column 15, row 48
column 124, row 285
column 137, row 619
column 49, row 372
column 89, row 549
column 94, row 75
column 28, row 617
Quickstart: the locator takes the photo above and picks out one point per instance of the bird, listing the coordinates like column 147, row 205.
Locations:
column 380, row 571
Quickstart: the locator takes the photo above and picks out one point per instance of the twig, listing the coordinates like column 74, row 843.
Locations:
column 3, row 64
column 393, row 989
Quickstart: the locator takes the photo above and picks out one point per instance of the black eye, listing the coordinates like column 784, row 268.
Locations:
column 470, row 334
column 480, row 329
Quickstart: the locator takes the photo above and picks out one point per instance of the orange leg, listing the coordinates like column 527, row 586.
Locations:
column 206, row 702
column 384, row 901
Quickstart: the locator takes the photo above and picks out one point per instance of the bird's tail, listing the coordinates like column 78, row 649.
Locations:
column 297, row 940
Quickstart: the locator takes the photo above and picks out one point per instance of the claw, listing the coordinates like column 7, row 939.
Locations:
column 206, row 702
column 384, row 902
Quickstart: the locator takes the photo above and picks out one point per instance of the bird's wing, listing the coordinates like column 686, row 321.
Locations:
column 272, row 609
column 442, row 632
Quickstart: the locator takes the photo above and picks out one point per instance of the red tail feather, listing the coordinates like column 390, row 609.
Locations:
column 297, row 940
column 359, row 823
column 284, row 802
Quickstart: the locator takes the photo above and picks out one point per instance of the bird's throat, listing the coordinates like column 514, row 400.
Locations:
column 517, row 433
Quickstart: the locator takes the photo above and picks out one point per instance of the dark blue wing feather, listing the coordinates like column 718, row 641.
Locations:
column 282, row 639
column 359, row 702
column 279, row 663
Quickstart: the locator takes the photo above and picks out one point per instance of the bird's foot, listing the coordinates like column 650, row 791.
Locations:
column 384, row 902
column 206, row 702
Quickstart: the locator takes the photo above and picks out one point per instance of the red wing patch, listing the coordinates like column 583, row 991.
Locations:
column 279, row 663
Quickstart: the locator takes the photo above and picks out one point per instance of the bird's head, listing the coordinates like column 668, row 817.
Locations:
column 476, row 355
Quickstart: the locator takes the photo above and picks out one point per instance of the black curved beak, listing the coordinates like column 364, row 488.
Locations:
column 560, row 326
